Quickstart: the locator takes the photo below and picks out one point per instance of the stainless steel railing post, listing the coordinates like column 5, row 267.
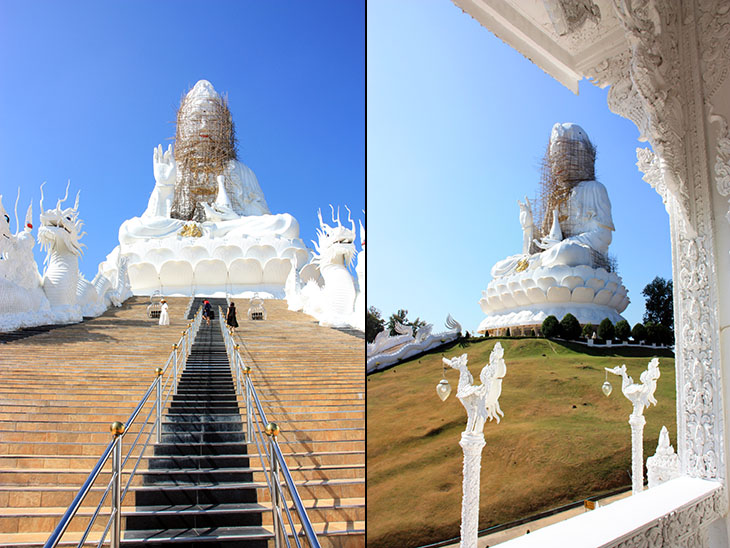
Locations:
column 238, row 369
column 158, row 420
column 272, row 430
column 174, row 369
column 117, row 429
column 189, row 346
column 249, row 406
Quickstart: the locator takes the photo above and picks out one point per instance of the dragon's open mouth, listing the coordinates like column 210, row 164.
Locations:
column 57, row 225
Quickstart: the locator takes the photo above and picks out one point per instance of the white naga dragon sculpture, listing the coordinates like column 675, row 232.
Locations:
column 387, row 350
column 62, row 294
column 70, row 294
column 22, row 301
column 59, row 235
column 333, row 303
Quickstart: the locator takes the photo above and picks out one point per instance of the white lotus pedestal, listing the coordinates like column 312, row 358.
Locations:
column 472, row 444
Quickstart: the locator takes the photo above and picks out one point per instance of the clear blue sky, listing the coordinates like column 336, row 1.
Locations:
column 87, row 89
column 457, row 125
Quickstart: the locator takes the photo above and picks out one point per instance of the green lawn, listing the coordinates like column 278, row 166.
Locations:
column 560, row 440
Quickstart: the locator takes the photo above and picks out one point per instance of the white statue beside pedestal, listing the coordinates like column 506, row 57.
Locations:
column 568, row 269
column 481, row 403
column 641, row 395
column 207, row 227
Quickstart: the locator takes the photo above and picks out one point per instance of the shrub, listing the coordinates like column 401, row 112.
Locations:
column 606, row 330
column 665, row 335
column 653, row 333
column 550, row 327
column 508, row 333
column 588, row 330
column 570, row 327
column 532, row 332
column 638, row 333
column 623, row 330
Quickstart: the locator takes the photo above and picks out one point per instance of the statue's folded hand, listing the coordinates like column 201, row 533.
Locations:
column 546, row 243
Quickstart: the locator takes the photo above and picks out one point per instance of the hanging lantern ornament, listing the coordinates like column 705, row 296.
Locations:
column 607, row 388
column 443, row 388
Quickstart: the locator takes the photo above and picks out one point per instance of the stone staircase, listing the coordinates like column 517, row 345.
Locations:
column 311, row 382
column 199, row 486
column 61, row 388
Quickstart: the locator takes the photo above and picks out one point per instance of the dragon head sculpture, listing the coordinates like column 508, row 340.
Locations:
column 336, row 243
column 61, row 226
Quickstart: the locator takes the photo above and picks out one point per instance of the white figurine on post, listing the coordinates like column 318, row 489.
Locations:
column 481, row 403
column 641, row 396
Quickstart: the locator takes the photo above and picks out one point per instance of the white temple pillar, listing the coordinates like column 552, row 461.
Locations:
column 472, row 443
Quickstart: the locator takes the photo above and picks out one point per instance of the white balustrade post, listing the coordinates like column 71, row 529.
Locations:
column 641, row 395
column 481, row 403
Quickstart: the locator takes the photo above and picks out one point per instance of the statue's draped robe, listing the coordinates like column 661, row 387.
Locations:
column 587, row 226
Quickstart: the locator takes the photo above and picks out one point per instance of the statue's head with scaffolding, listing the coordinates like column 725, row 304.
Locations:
column 205, row 141
column 570, row 159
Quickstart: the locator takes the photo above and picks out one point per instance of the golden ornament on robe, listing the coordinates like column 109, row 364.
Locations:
column 190, row 230
column 522, row 264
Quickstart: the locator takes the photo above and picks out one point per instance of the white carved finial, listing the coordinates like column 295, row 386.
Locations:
column 664, row 465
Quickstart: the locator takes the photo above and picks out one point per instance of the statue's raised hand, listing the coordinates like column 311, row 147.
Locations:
column 525, row 214
column 164, row 166
column 165, row 171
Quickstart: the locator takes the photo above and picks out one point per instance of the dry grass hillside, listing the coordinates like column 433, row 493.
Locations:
column 560, row 440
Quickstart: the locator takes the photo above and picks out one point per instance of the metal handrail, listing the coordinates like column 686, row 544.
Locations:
column 177, row 358
column 277, row 463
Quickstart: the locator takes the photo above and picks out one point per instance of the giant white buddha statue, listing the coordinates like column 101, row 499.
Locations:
column 207, row 227
column 567, row 267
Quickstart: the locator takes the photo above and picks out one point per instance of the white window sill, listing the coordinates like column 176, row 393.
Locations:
column 609, row 525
